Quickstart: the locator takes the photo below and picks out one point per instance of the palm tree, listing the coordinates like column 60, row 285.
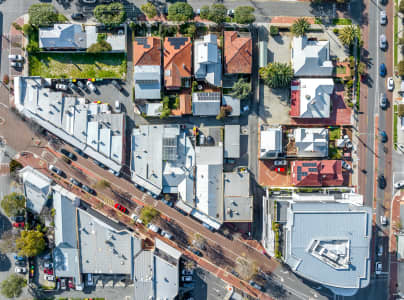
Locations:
column 300, row 26
column 277, row 75
column 189, row 265
column 348, row 34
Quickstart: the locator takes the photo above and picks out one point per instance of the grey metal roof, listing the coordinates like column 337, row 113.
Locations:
column 103, row 250
column 143, row 276
column 311, row 58
column 311, row 142
column 147, row 81
column 234, row 103
column 331, row 223
column 207, row 62
column 63, row 36
column 232, row 141
column 237, row 204
column 206, row 104
column 270, row 142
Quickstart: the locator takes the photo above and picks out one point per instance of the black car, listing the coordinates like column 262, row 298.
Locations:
column 195, row 251
column 20, row 263
column 18, row 219
column 68, row 154
column 117, row 85
column 81, row 84
column 73, row 87
column 81, row 153
column 101, row 165
column 75, row 182
column 77, row 16
column 88, row 189
column 383, row 136
column 381, row 181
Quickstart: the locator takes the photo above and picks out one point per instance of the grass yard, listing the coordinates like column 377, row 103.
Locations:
column 341, row 70
column 78, row 65
column 335, row 134
column 342, row 21
column 395, row 127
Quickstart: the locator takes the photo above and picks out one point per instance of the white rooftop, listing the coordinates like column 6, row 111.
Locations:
column 270, row 142
column 311, row 142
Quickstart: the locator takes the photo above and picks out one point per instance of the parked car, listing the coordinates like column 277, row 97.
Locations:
column 21, row 270
column 383, row 42
column 378, row 269
column 381, row 181
column 19, row 224
column 81, row 84
column 207, row 226
column 195, row 251
column 169, row 203
column 383, row 220
column 380, row 250
column 79, row 152
column 117, row 106
column 48, row 265
column 61, row 86
column 383, row 17
column 117, row 174
column 390, row 83
column 18, row 219
column 134, row 217
column 49, row 277
column 63, row 284
column 346, row 166
column 68, row 154
column 116, row 84
column 15, row 57
column 48, row 271
column 88, row 189
column 73, row 87
column 20, row 258
column 16, row 64
column 230, row 12
column 187, row 272
column 401, row 147
column 382, row 70
column 89, row 1
column 280, row 162
column 70, row 284
column 383, row 136
column 56, row 170
column 90, row 281
column 76, row 182
column 20, row 263
column 91, row 86
column 77, row 16
column 101, row 165
column 186, row 278
column 399, row 185
column 255, row 285
column 153, row 227
column 166, row 234
column 383, row 101
column 120, row 207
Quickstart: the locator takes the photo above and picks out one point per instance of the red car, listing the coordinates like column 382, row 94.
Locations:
column 70, row 284
column 280, row 170
column 18, row 224
column 121, row 208
column 48, row 271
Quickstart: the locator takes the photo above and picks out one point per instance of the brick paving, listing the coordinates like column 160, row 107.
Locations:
column 267, row 176
column 290, row 20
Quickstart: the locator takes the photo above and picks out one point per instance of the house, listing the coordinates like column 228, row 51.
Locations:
column 237, row 52
column 231, row 141
column 206, row 104
column 185, row 105
column 177, row 55
column 317, row 173
column 207, row 60
column 311, row 97
column 78, row 37
column 308, row 142
column 233, row 104
column 271, row 142
column 37, row 188
column 147, row 67
column 311, row 58
column 90, row 127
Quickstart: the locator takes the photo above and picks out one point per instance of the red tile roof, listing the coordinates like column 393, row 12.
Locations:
column 177, row 62
column 146, row 51
column 185, row 105
column 295, row 98
column 317, row 173
column 237, row 53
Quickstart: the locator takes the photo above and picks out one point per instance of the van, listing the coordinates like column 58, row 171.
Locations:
column 117, row 106
column 90, row 280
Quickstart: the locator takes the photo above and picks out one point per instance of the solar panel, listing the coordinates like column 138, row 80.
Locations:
column 309, row 164
column 299, row 169
column 208, row 96
column 169, row 148
column 299, row 177
column 177, row 42
column 142, row 41
column 312, row 169
column 145, row 81
column 304, row 174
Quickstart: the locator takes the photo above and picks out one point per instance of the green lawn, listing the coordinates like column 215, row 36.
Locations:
column 341, row 69
column 335, row 133
column 334, row 152
column 395, row 126
column 342, row 21
column 78, row 65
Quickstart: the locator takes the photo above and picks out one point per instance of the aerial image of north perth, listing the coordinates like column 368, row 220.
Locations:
column 202, row 149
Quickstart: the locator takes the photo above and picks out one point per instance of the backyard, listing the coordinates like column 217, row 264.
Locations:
column 78, row 65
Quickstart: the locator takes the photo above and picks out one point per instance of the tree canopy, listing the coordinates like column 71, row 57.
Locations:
column 42, row 14
column 180, row 12
column 12, row 204
column 111, row 14
column 241, row 89
column 101, row 46
column 277, row 75
column 204, row 14
column 348, row 34
column 300, row 26
column 217, row 13
column 12, row 286
column 244, row 14
column 149, row 10
column 148, row 213
column 30, row 243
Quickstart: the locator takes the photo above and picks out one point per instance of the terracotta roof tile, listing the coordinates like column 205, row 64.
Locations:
column 146, row 51
column 185, row 105
column 237, row 53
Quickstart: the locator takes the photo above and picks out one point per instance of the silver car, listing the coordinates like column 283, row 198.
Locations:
column 383, row 101
column 383, row 42
column 383, row 18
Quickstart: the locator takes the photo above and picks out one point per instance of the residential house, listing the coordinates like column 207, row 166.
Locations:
column 177, row 62
column 206, row 104
column 147, row 68
column 185, row 105
column 311, row 97
column 311, row 58
column 90, row 127
column 237, row 52
column 308, row 142
column 271, row 142
column 317, row 173
column 37, row 188
column 207, row 60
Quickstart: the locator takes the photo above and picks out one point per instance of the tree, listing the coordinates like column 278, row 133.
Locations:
column 27, row 29
column 277, row 75
column 12, row 286
column 180, row 12
column 273, row 30
column 348, row 34
column 244, row 14
column 401, row 7
column 188, row 29
column 101, row 46
column 204, row 14
column 149, row 10
column 7, row 242
column 12, row 204
column 111, row 14
column 16, row 26
column 217, row 13
column 361, row 68
column 42, row 14
column 30, row 243
column 401, row 68
column 199, row 241
column 148, row 214
column 300, row 26
column 189, row 265
column 241, row 89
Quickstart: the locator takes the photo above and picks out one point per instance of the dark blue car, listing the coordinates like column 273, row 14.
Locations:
column 383, row 70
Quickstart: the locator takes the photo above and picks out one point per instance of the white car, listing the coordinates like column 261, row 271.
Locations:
column 16, row 64
column 48, row 265
column 390, row 83
column 167, row 234
column 346, row 166
column 153, row 227
column 383, row 18
column 379, row 266
column 117, row 106
column 49, row 277
column 91, row 86
column 15, row 57
column 399, row 185
column 134, row 217
column 383, row 220
column 89, row 1
column 21, row 270
column 280, row 162
column 186, row 278
column 187, row 272
column 61, row 86
column 380, row 251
